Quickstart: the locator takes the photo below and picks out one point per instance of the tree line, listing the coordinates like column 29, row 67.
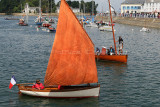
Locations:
column 16, row 6
column 85, row 7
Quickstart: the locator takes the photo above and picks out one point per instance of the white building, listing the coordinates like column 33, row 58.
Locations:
column 140, row 6
column 34, row 9
column 151, row 6
column 28, row 9
column 132, row 6
column 75, row 10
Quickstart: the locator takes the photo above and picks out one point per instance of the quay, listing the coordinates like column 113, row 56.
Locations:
column 144, row 22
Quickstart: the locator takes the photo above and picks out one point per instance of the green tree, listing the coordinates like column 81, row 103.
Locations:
column 69, row 2
column 75, row 4
column 12, row 6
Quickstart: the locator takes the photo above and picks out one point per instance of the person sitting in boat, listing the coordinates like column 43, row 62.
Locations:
column 97, row 51
column 111, row 50
column 120, row 46
column 108, row 52
column 38, row 85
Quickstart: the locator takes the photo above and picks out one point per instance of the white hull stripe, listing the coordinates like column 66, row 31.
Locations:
column 94, row 92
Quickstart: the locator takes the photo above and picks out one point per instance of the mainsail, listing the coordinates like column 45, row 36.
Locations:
column 72, row 59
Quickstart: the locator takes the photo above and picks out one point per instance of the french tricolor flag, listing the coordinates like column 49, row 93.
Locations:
column 12, row 82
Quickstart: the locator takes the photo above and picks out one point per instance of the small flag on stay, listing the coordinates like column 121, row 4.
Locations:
column 12, row 82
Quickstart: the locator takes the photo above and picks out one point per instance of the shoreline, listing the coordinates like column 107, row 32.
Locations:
column 143, row 22
column 43, row 14
column 30, row 14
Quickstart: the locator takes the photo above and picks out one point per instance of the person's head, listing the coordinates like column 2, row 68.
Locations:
column 111, row 46
column 119, row 37
column 38, row 81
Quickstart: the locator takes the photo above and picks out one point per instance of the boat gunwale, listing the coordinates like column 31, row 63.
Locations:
column 123, row 59
column 55, row 89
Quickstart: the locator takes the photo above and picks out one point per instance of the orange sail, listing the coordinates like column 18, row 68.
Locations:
column 72, row 59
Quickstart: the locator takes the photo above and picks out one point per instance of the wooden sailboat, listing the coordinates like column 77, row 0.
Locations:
column 91, row 23
column 39, row 19
column 52, row 29
column 71, row 64
column 103, row 26
column 116, row 57
column 23, row 22
column 46, row 24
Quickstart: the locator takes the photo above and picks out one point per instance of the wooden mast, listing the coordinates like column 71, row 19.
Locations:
column 102, row 14
column 92, row 9
column 112, row 27
column 40, row 8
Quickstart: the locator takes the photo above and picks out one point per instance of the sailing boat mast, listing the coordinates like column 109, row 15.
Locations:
column 79, row 10
column 84, row 9
column 112, row 27
column 27, row 12
column 102, row 13
column 92, row 9
column 21, row 11
column 39, row 8
column 51, row 6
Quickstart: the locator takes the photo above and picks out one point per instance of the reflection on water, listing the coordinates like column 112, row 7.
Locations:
column 116, row 67
column 47, row 102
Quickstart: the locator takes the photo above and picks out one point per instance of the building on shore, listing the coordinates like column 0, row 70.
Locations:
column 75, row 10
column 140, row 6
column 29, row 9
column 132, row 6
column 151, row 6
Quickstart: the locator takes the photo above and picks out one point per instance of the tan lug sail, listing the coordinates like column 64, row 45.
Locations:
column 71, row 62
column 72, row 59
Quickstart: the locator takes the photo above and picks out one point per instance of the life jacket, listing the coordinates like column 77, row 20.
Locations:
column 111, row 50
column 38, row 86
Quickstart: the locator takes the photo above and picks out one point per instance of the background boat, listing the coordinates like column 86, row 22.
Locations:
column 24, row 20
column 144, row 29
column 115, row 57
column 39, row 20
column 11, row 18
column 105, row 28
column 52, row 29
column 92, row 22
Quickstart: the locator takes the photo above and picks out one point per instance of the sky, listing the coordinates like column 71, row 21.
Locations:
column 104, row 4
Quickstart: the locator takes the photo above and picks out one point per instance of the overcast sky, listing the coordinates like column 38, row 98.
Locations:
column 104, row 4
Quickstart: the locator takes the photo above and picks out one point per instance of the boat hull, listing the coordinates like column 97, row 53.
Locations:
column 23, row 24
column 79, row 92
column 52, row 30
column 38, row 23
column 46, row 24
column 106, row 28
column 91, row 25
column 117, row 58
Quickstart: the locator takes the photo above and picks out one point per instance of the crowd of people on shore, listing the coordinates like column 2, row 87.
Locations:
column 136, row 15
column 141, row 15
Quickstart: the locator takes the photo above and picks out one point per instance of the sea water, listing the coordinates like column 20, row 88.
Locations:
column 25, row 50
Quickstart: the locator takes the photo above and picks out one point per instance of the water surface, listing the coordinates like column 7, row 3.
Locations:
column 25, row 50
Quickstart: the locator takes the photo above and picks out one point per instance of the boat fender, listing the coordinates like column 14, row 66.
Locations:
column 59, row 87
